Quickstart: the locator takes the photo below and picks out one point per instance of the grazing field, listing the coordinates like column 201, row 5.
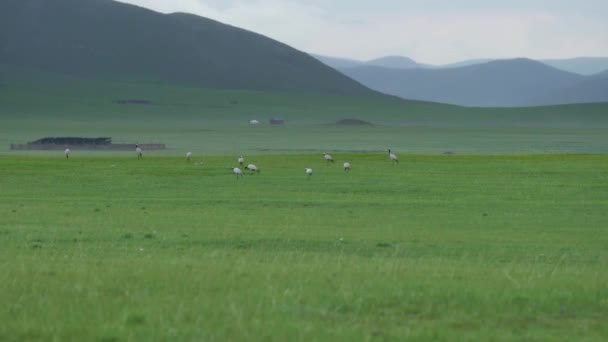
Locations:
column 435, row 248
column 215, row 122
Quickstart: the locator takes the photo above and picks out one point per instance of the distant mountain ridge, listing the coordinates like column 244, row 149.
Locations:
column 580, row 65
column 116, row 41
column 394, row 62
column 505, row 83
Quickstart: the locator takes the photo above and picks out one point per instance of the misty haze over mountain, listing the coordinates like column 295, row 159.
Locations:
column 484, row 82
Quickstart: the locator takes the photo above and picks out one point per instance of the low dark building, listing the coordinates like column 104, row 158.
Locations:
column 77, row 143
column 72, row 141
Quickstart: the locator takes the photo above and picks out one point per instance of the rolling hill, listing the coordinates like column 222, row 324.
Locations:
column 505, row 83
column 108, row 40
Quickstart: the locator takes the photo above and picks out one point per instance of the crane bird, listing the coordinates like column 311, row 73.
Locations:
column 252, row 168
column 241, row 160
column 67, row 153
column 238, row 172
column 328, row 158
column 393, row 156
column 139, row 151
column 188, row 156
column 347, row 167
column 308, row 171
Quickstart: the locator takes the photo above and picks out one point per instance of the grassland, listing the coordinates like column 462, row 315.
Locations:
column 506, row 240
column 436, row 248
column 214, row 122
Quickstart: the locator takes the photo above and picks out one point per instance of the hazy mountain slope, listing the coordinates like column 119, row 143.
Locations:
column 591, row 90
column 603, row 74
column 337, row 63
column 395, row 62
column 498, row 83
column 466, row 63
column 111, row 40
column 581, row 65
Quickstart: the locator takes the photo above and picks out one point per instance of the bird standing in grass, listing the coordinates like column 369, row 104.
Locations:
column 67, row 153
column 347, row 167
column 241, row 160
column 238, row 172
column 393, row 156
column 308, row 171
column 188, row 156
column 328, row 158
column 139, row 152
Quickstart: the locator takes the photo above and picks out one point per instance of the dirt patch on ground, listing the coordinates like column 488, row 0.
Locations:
column 134, row 102
column 353, row 122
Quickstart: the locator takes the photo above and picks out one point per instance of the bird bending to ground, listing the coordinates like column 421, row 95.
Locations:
column 393, row 156
column 252, row 168
column 328, row 158
column 241, row 160
column 308, row 171
column 188, row 156
column 139, row 152
column 347, row 167
column 67, row 153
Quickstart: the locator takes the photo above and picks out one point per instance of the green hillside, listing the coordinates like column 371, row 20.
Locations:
column 115, row 41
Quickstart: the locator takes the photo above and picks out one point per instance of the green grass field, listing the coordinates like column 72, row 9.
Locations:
column 435, row 248
column 213, row 122
column 506, row 240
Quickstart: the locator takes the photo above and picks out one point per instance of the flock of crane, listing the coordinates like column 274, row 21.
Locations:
column 252, row 167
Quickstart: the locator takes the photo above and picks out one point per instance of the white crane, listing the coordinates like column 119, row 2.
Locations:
column 139, row 152
column 328, row 158
column 188, row 156
column 347, row 166
column 393, row 156
column 238, row 172
column 308, row 171
column 252, row 168
column 241, row 160
column 67, row 153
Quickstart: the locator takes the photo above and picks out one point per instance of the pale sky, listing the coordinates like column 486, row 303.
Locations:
column 429, row 31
